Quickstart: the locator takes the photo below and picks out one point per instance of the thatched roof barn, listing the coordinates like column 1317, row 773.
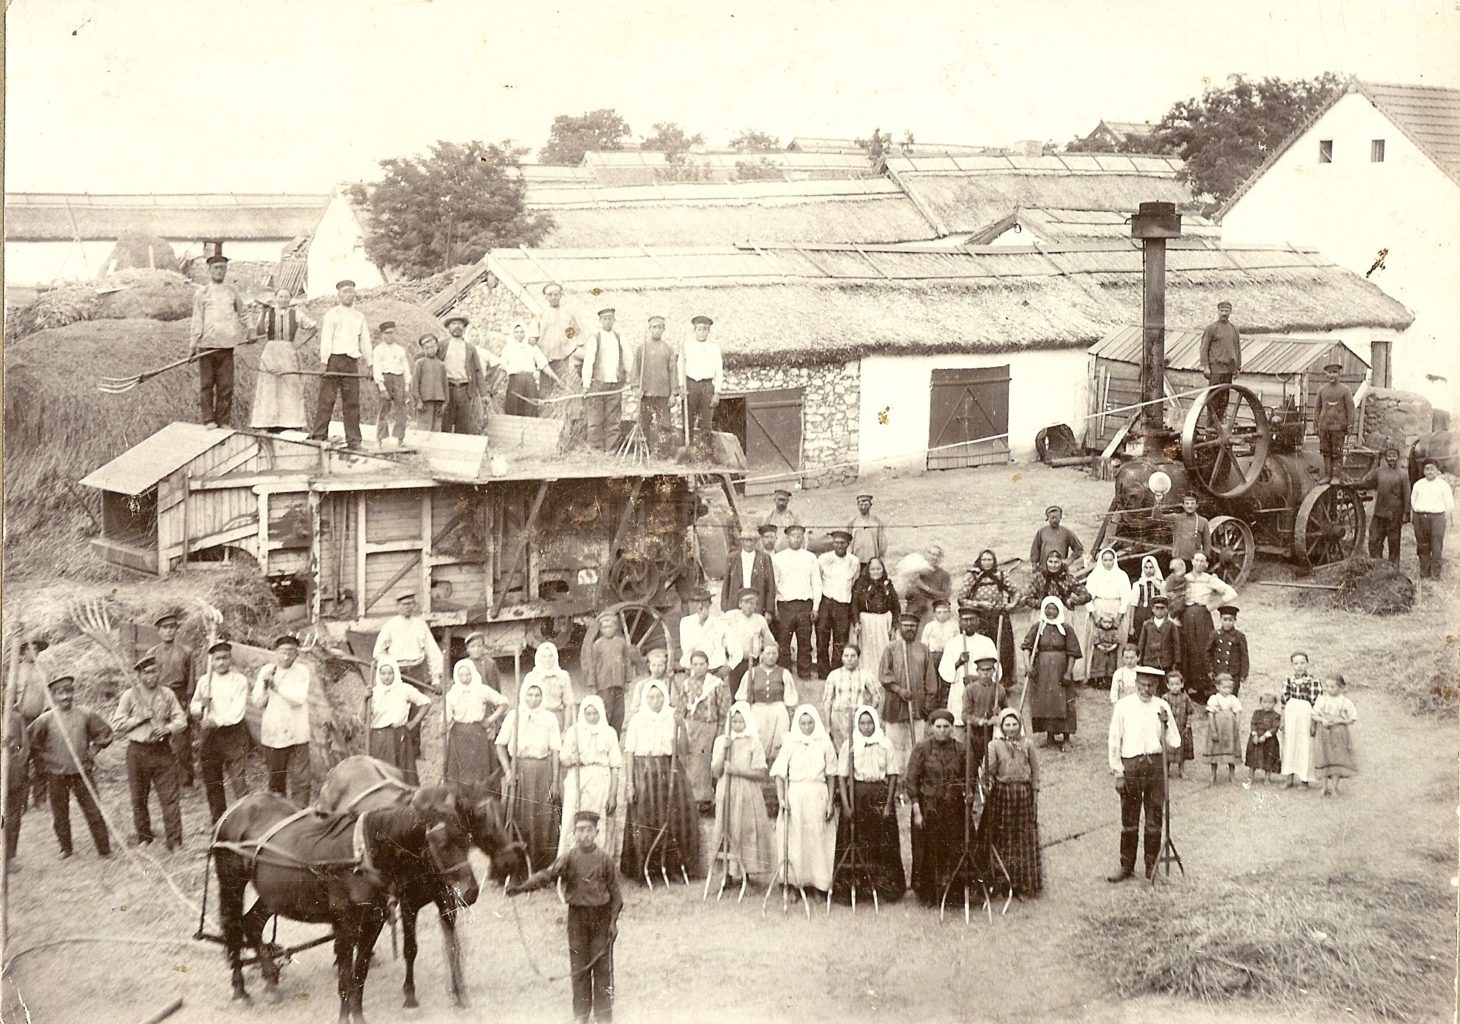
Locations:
column 646, row 167
column 1046, row 226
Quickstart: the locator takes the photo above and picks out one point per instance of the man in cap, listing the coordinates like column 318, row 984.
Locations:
column 175, row 671
column 406, row 639
column 654, row 375
column 747, row 631
column 148, row 715
column 700, row 631
column 1142, row 732
column 959, row 661
column 344, row 348
column 703, row 370
column 559, row 334
column 869, row 533
column 1159, row 644
column 1227, row 649
column 1432, row 505
column 798, row 599
column 839, row 570
column 217, row 328
column 1390, row 485
column 750, row 568
column 281, row 688
column 29, row 694
column 65, row 739
column 769, row 536
column 1221, row 355
column 220, row 703
column 909, row 674
column 465, row 379
column 1334, row 417
column 1053, row 536
column 605, row 362
column 1190, row 531
column 780, row 516
column 392, row 375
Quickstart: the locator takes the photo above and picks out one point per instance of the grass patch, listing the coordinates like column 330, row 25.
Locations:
column 1360, row 943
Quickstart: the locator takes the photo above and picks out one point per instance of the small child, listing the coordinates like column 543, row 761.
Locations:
column 1180, row 705
column 939, row 630
column 610, row 668
column 1264, row 753
column 1175, row 588
column 1333, row 750
column 591, row 890
column 430, row 385
column 1123, row 681
column 1105, row 652
column 1222, row 745
column 391, row 369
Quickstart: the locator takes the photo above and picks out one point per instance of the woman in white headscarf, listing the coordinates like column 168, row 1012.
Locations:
column 556, row 685
column 738, row 762
column 1148, row 586
column 1053, row 650
column 661, row 835
column 593, row 766
column 522, row 362
column 805, row 772
column 472, row 708
column 393, row 708
column 528, row 747
column 868, row 847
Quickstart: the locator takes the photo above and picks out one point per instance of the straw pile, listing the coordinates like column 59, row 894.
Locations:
column 149, row 294
column 137, row 249
column 1378, row 946
column 1374, row 585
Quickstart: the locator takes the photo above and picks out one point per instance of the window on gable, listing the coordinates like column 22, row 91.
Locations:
column 1325, row 151
column 1376, row 151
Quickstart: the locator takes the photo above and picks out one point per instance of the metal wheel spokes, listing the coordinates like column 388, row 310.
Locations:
column 1233, row 550
column 633, row 577
column 1225, row 454
column 1329, row 526
column 643, row 627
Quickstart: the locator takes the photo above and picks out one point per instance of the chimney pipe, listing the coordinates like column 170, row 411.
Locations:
column 1153, row 225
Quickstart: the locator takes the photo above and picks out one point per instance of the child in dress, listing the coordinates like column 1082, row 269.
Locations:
column 1175, row 588
column 1123, row 682
column 1105, row 652
column 1181, row 706
column 1223, row 708
column 1333, row 750
column 1264, row 753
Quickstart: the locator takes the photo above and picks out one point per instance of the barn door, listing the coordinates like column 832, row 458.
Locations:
column 968, row 405
column 772, row 438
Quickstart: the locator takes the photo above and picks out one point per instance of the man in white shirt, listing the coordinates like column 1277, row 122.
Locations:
column 1138, row 725
column 605, row 363
column 703, row 370
column 393, row 377
column 344, row 347
column 282, row 690
column 1431, row 501
column 839, row 570
column 217, row 329
column 798, row 598
column 558, row 333
column 748, row 629
column 219, row 704
column 406, row 639
column 959, row 656
column 701, row 631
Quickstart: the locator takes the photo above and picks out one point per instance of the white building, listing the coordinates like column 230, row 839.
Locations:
column 337, row 250
column 1373, row 182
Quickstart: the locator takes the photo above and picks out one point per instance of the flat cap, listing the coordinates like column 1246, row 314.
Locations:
column 1147, row 670
column 1054, row 508
column 387, row 325
column 909, row 617
column 1228, row 609
column 1224, row 304
column 285, row 640
column 942, row 714
column 697, row 320
column 700, row 594
column 607, row 311
column 656, row 320
column 59, row 680
column 146, row 661
column 744, row 593
column 781, row 492
column 845, row 535
column 220, row 258
column 1333, row 366
column 346, row 283
column 767, row 529
column 456, row 318
column 591, row 817
column 220, row 647
column 794, row 528
column 165, row 617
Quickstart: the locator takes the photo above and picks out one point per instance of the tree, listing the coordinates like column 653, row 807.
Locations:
column 670, row 139
column 759, row 169
column 751, row 141
column 571, row 137
column 880, row 146
column 430, row 213
column 1226, row 133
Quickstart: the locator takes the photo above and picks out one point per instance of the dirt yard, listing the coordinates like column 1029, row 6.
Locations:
column 681, row 959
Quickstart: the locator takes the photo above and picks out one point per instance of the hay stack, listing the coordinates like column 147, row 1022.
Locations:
column 1375, row 586
column 145, row 294
column 139, row 250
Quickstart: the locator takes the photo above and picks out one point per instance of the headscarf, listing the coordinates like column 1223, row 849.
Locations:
column 390, row 663
column 1008, row 713
column 743, row 707
column 544, row 666
column 524, row 714
column 979, row 572
column 1151, row 561
column 591, row 732
column 1110, row 583
column 473, row 676
column 1058, row 621
column 860, row 747
column 817, row 735
column 516, row 324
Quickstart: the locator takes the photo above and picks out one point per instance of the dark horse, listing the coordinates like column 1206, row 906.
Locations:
column 360, row 784
column 335, row 869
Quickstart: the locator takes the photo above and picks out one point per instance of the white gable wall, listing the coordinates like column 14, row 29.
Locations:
column 1351, row 209
column 337, row 251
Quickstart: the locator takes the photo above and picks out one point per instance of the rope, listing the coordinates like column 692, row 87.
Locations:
column 73, row 939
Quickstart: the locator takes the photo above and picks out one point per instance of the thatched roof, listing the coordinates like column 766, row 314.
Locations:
column 37, row 217
column 1047, row 225
column 816, row 304
column 647, row 166
column 969, row 194
column 725, row 213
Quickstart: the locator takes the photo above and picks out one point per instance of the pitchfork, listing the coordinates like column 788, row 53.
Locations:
column 121, row 385
column 635, row 446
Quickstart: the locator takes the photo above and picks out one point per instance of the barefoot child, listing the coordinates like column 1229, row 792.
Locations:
column 1263, row 753
column 1123, row 682
column 1223, row 709
column 1333, row 750
column 1181, row 706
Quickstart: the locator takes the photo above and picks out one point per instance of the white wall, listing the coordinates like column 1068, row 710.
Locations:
column 1352, row 208
column 50, row 263
column 1045, row 387
column 337, row 251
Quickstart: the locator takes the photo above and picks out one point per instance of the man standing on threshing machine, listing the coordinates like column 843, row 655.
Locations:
column 217, row 328
column 1391, row 505
column 1221, row 355
column 344, row 347
column 1332, row 420
column 464, row 377
column 559, row 334
column 604, row 363
column 704, row 379
column 658, row 385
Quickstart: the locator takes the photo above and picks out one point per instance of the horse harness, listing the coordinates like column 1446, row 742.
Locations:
column 251, row 849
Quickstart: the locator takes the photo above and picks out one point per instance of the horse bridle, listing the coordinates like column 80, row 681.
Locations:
column 435, row 838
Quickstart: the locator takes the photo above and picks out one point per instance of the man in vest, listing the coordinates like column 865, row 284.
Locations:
column 464, row 379
column 604, row 366
column 217, row 328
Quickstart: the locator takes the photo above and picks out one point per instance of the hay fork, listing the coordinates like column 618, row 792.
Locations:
column 121, row 385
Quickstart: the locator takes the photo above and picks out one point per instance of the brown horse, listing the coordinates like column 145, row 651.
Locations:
column 335, row 869
column 359, row 785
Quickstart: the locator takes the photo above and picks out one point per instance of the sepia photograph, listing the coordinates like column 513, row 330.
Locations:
column 791, row 513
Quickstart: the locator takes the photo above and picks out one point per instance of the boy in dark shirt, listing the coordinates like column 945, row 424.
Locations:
column 590, row 886
column 983, row 698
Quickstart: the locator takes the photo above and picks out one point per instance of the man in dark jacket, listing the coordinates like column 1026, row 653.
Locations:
column 1332, row 420
column 1391, row 505
column 1221, row 355
column 750, row 568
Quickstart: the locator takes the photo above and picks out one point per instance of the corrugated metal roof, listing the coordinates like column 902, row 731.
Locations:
column 140, row 467
column 1276, row 355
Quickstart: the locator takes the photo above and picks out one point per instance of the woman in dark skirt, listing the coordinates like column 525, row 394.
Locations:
column 1147, row 587
column 990, row 594
column 1205, row 592
column 393, row 708
column 1053, row 650
column 867, row 830
column 528, row 748
column 473, row 709
column 1010, row 823
column 661, row 837
column 935, row 778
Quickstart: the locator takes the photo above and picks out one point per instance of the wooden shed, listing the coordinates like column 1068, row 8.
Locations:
column 1278, row 368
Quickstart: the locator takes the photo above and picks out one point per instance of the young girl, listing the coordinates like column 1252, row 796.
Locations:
column 1223, row 710
column 738, row 762
column 1143, row 591
column 1263, row 751
column 1010, row 821
column 847, row 688
column 1333, row 750
column 528, row 746
column 592, row 764
column 662, row 833
column 555, row 685
column 1300, row 692
column 1181, row 705
column 1123, row 680
column 868, row 770
column 610, row 667
column 805, row 774
column 1105, row 641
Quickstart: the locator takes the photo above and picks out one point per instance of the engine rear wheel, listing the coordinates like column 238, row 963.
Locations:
column 1233, row 550
column 1329, row 527
column 1225, row 440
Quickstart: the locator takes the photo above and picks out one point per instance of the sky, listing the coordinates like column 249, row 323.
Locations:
column 298, row 95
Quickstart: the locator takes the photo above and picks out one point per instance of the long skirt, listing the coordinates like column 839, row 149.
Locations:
column 586, row 788
column 998, row 627
column 1297, row 745
column 470, row 759
column 521, row 395
column 533, row 810
column 1196, row 632
column 1265, row 756
column 662, row 833
column 1224, row 744
column 936, row 849
column 807, row 841
column 697, row 762
column 740, row 811
column 870, row 859
column 1333, row 752
column 1010, row 828
column 876, row 634
column 772, row 722
column 393, row 746
column 1051, row 702
column 278, row 394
